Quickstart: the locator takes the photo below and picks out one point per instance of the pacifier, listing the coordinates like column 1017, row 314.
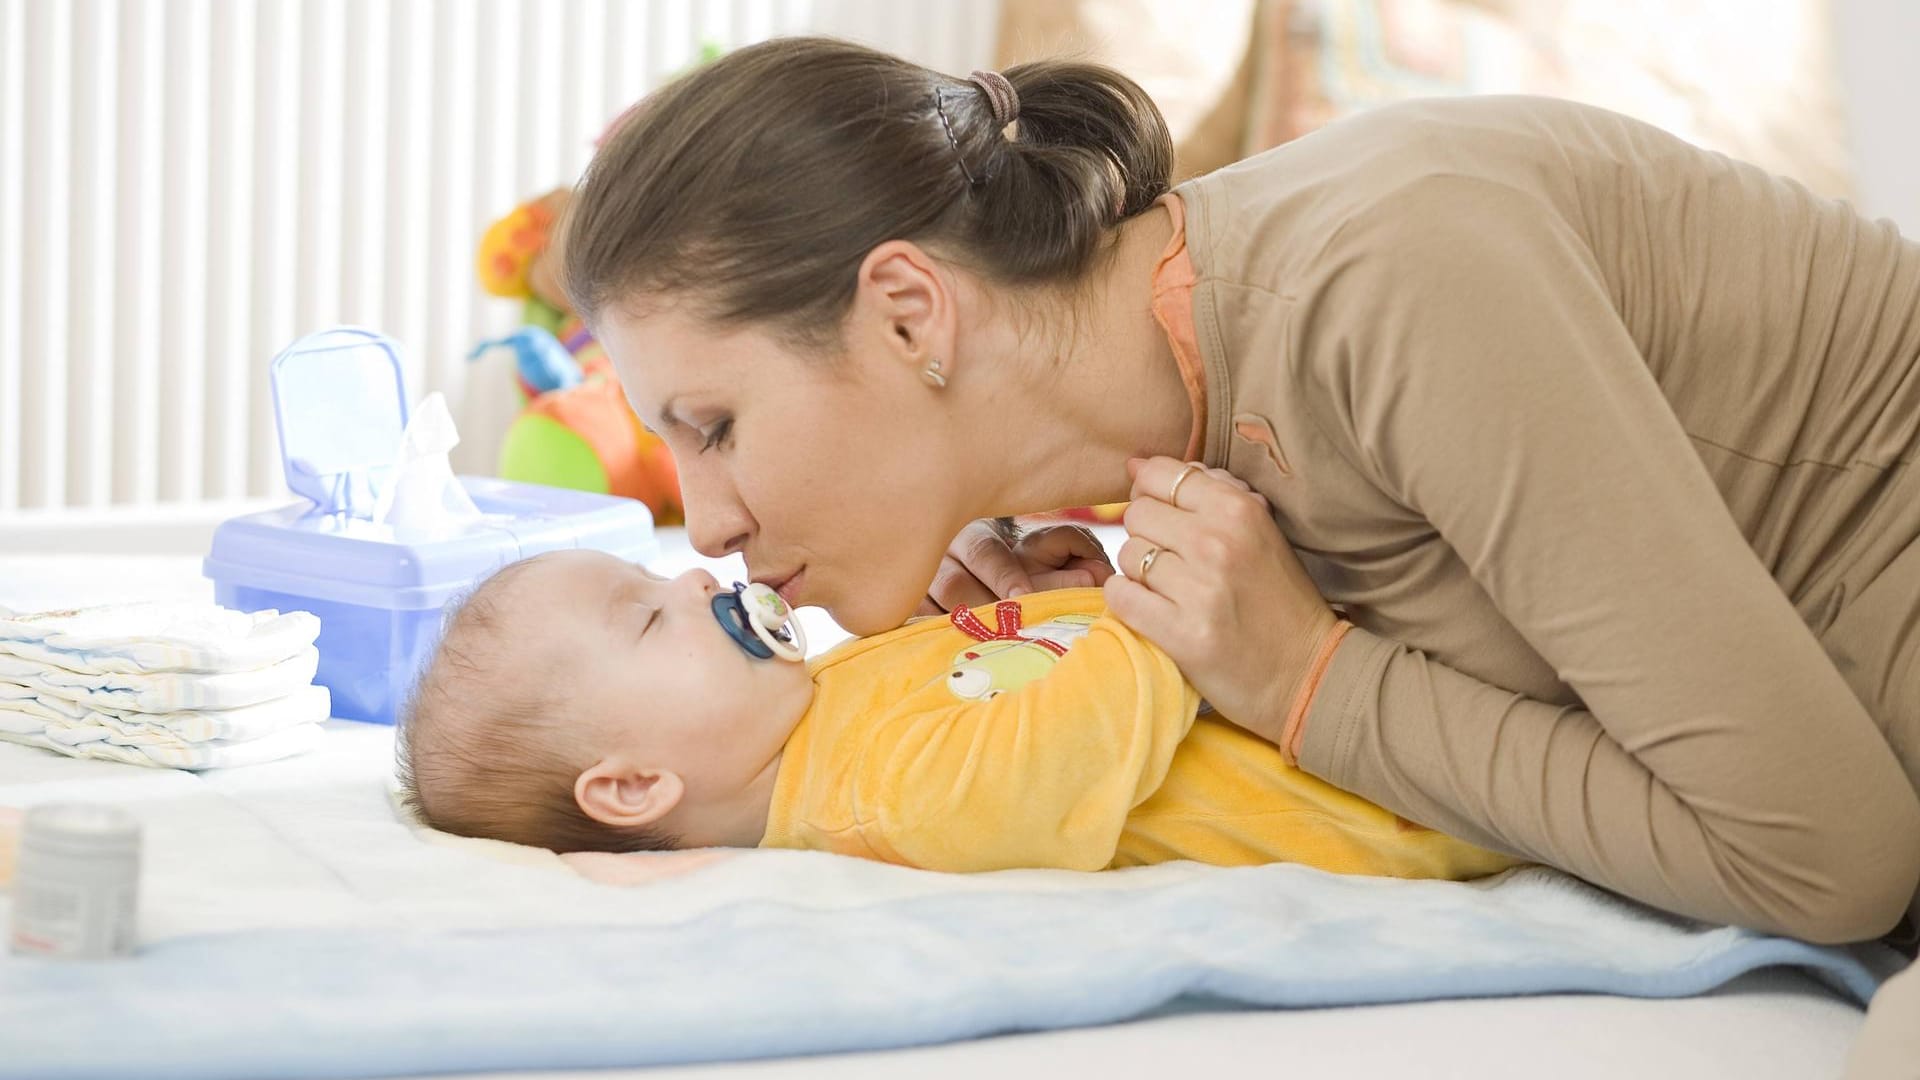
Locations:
column 760, row 622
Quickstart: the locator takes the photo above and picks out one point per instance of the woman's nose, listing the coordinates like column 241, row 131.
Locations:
column 717, row 523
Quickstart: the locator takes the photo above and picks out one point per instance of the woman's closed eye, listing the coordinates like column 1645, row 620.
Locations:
column 717, row 434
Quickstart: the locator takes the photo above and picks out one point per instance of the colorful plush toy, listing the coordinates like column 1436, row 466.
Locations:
column 541, row 363
column 576, row 430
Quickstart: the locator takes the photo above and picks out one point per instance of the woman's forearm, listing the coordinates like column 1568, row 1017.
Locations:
column 1817, row 844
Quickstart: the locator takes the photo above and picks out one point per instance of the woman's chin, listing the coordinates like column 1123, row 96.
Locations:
column 867, row 615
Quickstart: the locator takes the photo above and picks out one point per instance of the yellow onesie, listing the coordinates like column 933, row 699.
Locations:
column 1045, row 733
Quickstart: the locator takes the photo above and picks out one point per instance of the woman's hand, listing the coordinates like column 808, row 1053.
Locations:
column 1213, row 582
column 984, row 564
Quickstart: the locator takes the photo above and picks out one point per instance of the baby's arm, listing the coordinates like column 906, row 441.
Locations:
column 1043, row 776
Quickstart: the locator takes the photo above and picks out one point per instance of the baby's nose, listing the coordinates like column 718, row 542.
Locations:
column 700, row 583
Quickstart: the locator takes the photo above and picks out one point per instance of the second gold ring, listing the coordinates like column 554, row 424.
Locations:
column 1146, row 564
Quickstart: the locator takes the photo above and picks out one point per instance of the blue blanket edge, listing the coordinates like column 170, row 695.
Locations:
column 54, row 1027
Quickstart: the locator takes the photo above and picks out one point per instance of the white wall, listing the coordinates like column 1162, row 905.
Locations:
column 186, row 187
column 1878, row 42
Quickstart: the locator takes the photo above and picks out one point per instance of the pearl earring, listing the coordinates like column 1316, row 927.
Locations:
column 932, row 374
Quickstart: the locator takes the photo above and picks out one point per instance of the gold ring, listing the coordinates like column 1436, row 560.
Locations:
column 1146, row 564
column 1173, row 494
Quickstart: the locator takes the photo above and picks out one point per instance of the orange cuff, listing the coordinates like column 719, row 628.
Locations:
column 1296, row 726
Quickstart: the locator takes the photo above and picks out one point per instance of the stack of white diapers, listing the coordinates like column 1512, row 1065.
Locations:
column 176, row 685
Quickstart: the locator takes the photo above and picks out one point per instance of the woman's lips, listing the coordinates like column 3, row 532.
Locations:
column 787, row 587
column 790, row 588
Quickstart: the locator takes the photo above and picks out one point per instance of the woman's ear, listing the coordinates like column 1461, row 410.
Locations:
column 618, row 794
column 907, row 297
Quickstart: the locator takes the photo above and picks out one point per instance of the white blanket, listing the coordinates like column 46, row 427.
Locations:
column 437, row 954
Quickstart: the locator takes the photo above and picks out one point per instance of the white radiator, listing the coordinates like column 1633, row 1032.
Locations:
column 186, row 186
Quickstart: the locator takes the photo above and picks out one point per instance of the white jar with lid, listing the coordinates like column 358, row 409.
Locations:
column 78, row 881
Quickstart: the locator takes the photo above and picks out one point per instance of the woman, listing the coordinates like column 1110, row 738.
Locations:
column 1597, row 441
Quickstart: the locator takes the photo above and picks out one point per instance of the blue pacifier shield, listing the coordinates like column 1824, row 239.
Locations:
column 760, row 622
column 733, row 619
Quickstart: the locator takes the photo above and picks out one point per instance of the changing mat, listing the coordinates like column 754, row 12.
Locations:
column 295, row 928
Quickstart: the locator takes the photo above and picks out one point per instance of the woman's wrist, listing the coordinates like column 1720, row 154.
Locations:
column 1294, row 721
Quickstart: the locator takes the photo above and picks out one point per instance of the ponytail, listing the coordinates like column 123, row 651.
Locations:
column 1090, row 150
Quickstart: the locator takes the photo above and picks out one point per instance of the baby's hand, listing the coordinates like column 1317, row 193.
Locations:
column 640, row 867
column 982, row 566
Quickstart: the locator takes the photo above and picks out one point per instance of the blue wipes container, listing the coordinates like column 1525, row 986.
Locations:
column 341, row 405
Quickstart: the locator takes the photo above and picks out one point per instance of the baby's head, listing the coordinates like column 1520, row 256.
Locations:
column 579, row 703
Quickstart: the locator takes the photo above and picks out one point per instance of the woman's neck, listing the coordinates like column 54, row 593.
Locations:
column 1089, row 385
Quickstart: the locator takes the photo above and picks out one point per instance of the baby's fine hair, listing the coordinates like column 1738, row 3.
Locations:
column 482, row 748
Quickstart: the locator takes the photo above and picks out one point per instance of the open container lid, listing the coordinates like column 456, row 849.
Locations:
column 340, row 400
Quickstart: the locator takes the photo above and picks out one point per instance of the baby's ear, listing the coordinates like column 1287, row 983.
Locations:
column 622, row 795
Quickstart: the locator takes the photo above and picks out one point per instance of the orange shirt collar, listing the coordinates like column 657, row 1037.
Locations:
column 1173, row 281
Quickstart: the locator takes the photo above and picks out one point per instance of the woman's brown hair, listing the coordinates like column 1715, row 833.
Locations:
column 754, row 186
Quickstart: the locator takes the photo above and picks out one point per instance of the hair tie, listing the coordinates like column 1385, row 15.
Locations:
column 1004, row 103
column 1000, row 95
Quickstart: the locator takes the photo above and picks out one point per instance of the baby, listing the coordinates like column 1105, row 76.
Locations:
column 581, row 703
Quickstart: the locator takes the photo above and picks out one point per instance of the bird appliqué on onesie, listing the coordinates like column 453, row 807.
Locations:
column 1010, row 655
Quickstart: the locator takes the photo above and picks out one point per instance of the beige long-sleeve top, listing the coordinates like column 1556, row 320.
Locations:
column 1602, row 442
